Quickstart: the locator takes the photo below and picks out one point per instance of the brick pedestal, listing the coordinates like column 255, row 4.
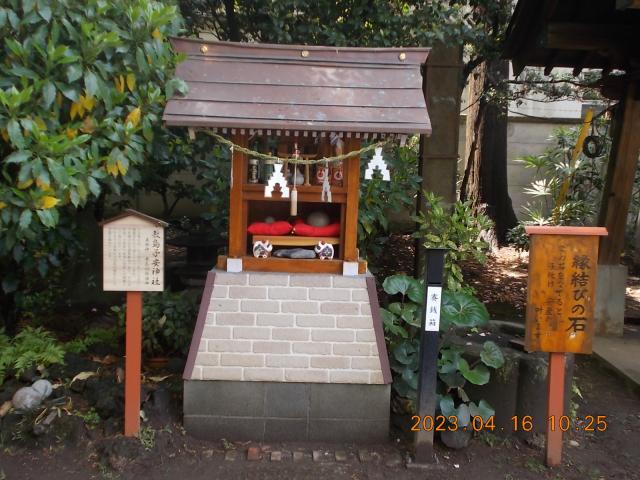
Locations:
column 279, row 356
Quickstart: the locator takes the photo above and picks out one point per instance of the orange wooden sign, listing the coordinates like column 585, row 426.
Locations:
column 561, row 288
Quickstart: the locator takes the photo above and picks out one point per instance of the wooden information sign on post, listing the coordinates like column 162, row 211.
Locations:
column 561, row 295
column 133, row 262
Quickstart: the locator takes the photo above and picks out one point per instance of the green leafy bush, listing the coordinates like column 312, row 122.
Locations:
column 168, row 319
column 95, row 335
column 460, row 312
column 379, row 199
column 30, row 347
column 82, row 88
column 459, row 230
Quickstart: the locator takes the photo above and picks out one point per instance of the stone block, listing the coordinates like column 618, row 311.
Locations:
column 268, row 279
column 323, row 321
column 298, row 334
column 285, row 429
column 349, row 282
column 376, row 377
column 292, row 361
column 365, row 309
column 202, row 346
column 317, row 348
column 208, row 359
column 240, row 399
column 235, row 318
column 272, row 347
column 340, row 308
column 196, row 374
column 353, row 349
column 355, row 322
column 287, row 293
column 220, row 291
column 331, row 335
column 349, row 376
column 333, row 294
column 359, row 295
column 252, row 333
column 365, row 363
column 243, row 293
column 288, row 400
column 329, row 362
column 216, row 332
column 228, row 345
column 242, row 360
column 365, row 335
column 306, row 375
column 216, row 428
column 224, row 305
column 287, row 412
column 275, row 320
column 259, row 306
column 299, row 307
column 263, row 374
column 225, row 278
column 311, row 280
column 221, row 373
column 350, row 401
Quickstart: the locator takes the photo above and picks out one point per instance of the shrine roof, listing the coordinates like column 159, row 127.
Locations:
column 300, row 87
column 574, row 33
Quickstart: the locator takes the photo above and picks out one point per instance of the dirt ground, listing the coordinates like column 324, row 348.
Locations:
column 166, row 452
column 611, row 454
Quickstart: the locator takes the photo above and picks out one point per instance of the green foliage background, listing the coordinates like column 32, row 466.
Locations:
column 82, row 88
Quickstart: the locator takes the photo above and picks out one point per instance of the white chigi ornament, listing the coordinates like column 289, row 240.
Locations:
column 277, row 178
column 377, row 162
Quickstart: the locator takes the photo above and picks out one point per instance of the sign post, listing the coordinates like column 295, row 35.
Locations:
column 133, row 262
column 560, row 303
column 429, row 340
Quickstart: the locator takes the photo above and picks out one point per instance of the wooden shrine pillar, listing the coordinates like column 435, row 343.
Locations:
column 621, row 170
column 352, row 167
column 237, row 203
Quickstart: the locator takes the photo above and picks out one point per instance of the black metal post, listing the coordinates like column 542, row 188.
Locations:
column 429, row 338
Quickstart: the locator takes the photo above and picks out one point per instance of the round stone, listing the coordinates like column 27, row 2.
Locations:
column 318, row 219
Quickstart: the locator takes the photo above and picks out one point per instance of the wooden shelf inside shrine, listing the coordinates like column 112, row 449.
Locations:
column 294, row 241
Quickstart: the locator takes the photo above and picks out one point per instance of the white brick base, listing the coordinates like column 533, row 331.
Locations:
column 288, row 327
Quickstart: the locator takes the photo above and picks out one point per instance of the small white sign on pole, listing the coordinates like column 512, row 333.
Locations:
column 133, row 253
column 432, row 311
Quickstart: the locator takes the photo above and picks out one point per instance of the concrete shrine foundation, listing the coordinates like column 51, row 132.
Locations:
column 288, row 356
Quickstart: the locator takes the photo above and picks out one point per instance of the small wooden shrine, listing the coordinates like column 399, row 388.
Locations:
column 289, row 342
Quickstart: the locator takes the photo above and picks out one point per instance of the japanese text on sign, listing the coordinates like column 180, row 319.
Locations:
column 432, row 310
column 561, row 293
column 133, row 256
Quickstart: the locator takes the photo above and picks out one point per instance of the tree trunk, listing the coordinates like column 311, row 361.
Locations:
column 485, row 176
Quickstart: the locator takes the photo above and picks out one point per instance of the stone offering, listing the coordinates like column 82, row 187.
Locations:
column 27, row 398
column 318, row 219
column 294, row 253
column 43, row 387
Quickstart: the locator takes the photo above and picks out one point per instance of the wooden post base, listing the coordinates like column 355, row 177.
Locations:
column 133, row 364
column 555, row 398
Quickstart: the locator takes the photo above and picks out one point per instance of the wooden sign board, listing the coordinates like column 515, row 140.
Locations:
column 561, row 288
column 133, row 253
